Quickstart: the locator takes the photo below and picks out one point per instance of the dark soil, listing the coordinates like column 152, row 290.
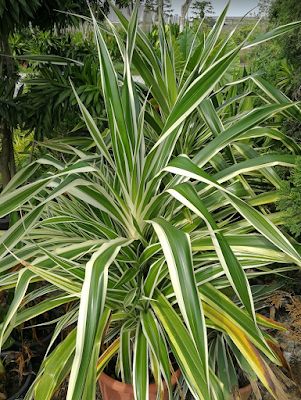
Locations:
column 23, row 354
column 18, row 379
column 62, row 393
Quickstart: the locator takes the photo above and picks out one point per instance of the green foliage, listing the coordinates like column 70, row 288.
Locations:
column 290, row 203
column 16, row 12
column 243, row 31
column 48, row 105
column 264, row 7
column 201, row 8
column 170, row 29
column 154, row 6
column 284, row 12
column 266, row 60
column 24, row 148
column 44, row 13
column 288, row 79
column 14, row 15
column 279, row 62
column 152, row 230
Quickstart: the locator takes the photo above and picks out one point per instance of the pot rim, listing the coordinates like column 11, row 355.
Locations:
column 128, row 387
column 108, row 380
column 246, row 389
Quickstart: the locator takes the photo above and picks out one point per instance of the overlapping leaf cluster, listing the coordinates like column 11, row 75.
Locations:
column 152, row 239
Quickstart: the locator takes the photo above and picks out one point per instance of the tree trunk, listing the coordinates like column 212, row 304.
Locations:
column 159, row 11
column 184, row 12
column 7, row 157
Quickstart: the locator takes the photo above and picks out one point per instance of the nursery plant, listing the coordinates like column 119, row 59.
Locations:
column 147, row 238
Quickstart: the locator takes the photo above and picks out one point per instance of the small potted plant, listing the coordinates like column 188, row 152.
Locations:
column 152, row 233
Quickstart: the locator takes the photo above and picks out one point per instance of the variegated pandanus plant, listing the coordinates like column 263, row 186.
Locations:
column 149, row 234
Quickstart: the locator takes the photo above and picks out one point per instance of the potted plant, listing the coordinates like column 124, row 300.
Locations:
column 152, row 233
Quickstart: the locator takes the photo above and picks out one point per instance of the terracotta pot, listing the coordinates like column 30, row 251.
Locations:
column 111, row 389
column 245, row 392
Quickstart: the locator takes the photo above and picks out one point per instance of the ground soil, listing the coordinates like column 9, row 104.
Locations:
column 62, row 394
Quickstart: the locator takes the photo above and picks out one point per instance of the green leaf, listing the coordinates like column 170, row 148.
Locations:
column 122, row 147
column 24, row 278
column 55, row 368
column 125, row 355
column 10, row 201
column 184, row 167
column 94, row 132
column 91, row 309
column 19, row 230
column 233, row 315
column 21, row 177
column 276, row 95
column 195, row 93
column 186, row 194
column 177, row 251
column 156, row 342
column 234, row 132
column 183, row 347
column 140, row 366
column 276, row 32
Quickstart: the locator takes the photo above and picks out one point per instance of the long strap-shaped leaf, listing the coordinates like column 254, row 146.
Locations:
column 248, row 350
column 90, row 387
column 55, row 368
column 276, row 95
column 10, row 201
column 24, row 278
column 140, row 366
column 255, row 164
column 184, row 167
column 269, row 173
column 177, row 251
column 125, row 355
column 274, row 134
column 187, row 101
column 18, row 230
column 187, row 195
column 232, row 133
column 21, row 177
column 236, row 316
column 92, row 127
column 91, row 308
column 40, row 308
column 121, row 137
column 147, row 63
column 280, row 30
column 212, row 38
column 195, row 93
column 183, row 347
column 156, row 342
